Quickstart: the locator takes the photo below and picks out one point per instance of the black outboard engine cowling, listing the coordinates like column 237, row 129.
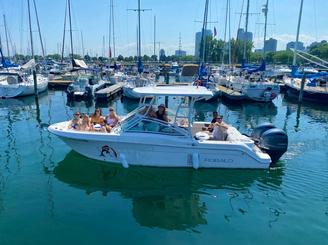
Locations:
column 271, row 140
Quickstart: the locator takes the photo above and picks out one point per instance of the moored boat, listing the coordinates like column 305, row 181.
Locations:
column 146, row 141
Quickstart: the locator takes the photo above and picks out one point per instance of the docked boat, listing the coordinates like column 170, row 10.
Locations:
column 188, row 73
column 14, row 84
column 315, row 90
column 146, row 141
column 136, row 82
column 85, row 86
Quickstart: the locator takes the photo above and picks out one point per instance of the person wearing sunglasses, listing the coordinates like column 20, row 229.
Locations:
column 111, row 120
column 96, row 117
column 76, row 121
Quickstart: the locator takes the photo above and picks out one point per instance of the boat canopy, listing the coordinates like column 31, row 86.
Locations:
column 190, row 91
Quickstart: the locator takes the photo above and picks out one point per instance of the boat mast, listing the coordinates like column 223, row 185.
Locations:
column 113, row 25
column 109, row 33
column 32, row 51
column 63, row 47
column 229, row 28
column 39, row 29
column 203, row 43
column 265, row 11
column 246, row 30
column 6, row 34
column 154, row 35
column 225, row 34
column 70, row 30
column 298, row 32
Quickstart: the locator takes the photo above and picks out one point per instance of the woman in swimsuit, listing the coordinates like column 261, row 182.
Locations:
column 111, row 120
column 76, row 121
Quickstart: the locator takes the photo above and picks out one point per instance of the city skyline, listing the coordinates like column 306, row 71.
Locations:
column 92, row 21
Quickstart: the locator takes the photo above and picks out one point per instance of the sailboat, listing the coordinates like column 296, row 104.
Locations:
column 19, row 81
column 142, row 79
column 251, row 81
column 314, row 87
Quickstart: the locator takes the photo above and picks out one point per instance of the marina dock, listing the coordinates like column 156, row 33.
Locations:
column 57, row 83
column 108, row 92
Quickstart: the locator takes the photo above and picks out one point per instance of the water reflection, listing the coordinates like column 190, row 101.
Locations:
column 164, row 197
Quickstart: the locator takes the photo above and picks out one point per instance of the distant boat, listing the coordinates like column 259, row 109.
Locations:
column 14, row 84
column 136, row 82
column 188, row 73
column 85, row 86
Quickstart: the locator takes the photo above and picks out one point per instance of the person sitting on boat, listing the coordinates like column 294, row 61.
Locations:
column 215, row 116
column 96, row 117
column 219, row 129
column 111, row 120
column 161, row 113
column 76, row 121
column 101, row 126
column 85, row 125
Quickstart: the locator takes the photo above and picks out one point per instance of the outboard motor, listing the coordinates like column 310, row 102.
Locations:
column 271, row 140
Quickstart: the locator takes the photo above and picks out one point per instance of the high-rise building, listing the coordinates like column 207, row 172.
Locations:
column 242, row 35
column 270, row 45
column 198, row 40
column 161, row 54
column 180, row 53
column 291, row 45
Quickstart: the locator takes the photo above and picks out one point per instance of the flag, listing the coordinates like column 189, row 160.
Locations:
column 214, row 32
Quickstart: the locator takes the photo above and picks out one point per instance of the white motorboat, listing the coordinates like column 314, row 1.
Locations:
column 85, row 86
column 145, row 141
column 14, row 84
column 136, row 82
column 255, row 87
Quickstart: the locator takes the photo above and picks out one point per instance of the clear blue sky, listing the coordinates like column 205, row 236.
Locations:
column 173, row 17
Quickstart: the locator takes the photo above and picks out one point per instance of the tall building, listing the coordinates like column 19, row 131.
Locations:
column 198, row 40
column 291, row 45
column 161, row 54
column 270, row 45
column 242, row 35
column 180, row 53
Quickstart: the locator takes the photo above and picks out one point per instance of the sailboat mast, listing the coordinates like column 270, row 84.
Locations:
column 113, row 25
column 298, row 32
column 70, row 30
column 39, row 29
column 63, row 45
column 110, row 32
column 6, row 33
column 246, row 30
column 154, row 35
column 265, row 11
column 32, row 51
column 225, row 34
column 203, row 32
column 229, row 28
column 139, row 33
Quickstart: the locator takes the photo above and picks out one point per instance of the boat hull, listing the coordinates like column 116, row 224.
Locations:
column 22, row 89
column 308, row 96
column 129, row 93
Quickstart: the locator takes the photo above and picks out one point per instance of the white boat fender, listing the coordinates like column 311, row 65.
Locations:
column 123, row 161
column 195, row 160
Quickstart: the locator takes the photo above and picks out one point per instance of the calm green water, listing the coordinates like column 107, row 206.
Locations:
column 51, row 195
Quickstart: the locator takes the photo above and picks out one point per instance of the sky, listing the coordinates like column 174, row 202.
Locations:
column 90, row 17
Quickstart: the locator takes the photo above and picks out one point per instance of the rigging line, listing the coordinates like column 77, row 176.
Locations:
column 315, row 57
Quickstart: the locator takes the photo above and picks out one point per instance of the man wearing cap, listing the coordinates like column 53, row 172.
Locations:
column 161, row 113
